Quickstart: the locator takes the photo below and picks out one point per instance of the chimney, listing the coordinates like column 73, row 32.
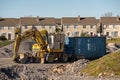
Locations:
column 117, row 17
column 78, row 18
column 37, row 19
column 100, row 20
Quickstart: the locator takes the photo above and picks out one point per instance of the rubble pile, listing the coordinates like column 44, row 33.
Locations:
column 75, row 67
column 37, row 71
column 42, row 71
column 63, row 72
column 23, row 72
column 6, row 51
column 112, row 47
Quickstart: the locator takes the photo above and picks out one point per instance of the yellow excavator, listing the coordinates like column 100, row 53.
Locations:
column 44, row 52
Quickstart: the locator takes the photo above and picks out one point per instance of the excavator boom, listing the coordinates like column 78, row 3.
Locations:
column 26, row 35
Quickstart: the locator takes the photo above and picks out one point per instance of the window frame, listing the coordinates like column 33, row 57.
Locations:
column 107, row 33
column 67, row 26
column 50, row 27
column 114, row 27
column 107, row 26
column 9, row 27
column 26, row 27
column 91, row 26
column 4, row 34
column 33, row 26
column 75, row 26
column 43, row 27
column 84, row 26
column 114, row 34
column 1, row 27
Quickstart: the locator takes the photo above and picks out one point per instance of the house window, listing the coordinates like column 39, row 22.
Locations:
column 107, row 33
column 115, row 34
column 107, row 26
column 91, row 26
column 114, row 27
column 50, row 27
column 68, row 34
column 67, row 26
column 43, row 27
column 9, row 36
column 84, row 26
column 75, row 26
column 33, row 27
column 26, row 27
column 3, row 34
column 9, row 27
column 76, row 33
column 1, row 27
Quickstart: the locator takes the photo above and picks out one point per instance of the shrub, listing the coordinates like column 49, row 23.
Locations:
column 3, row 38
column 85, row 35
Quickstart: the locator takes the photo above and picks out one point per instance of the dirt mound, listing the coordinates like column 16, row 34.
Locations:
column 109, row 65
column 24, row 72
column 64, row 72
column 39, row 71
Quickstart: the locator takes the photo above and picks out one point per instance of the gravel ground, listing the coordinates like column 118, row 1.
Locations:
column 36, row 71
column 53, row 71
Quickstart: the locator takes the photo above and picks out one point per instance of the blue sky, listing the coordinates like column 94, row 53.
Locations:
column 58, row 8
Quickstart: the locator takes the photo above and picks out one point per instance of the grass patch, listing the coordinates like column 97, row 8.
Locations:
column 4, row 43
column 106, row 66
column 116, row 40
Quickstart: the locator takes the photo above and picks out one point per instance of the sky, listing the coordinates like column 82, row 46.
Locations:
column 58, row 8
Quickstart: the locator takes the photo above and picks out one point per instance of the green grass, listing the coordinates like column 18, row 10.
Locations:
column 117, row 40
column 107, row 65
column 4, row 43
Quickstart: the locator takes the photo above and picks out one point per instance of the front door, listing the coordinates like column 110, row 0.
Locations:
column 9, row 36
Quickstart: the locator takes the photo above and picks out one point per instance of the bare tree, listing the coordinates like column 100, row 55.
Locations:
column 108, row 14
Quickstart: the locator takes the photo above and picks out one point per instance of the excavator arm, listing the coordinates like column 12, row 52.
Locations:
column 29, row 34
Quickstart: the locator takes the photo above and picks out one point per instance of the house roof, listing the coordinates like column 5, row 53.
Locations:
column 53, row 21
column 37, row 21
column 9, row 21
column 110, row 20
column 28, row 20
column 80, row 21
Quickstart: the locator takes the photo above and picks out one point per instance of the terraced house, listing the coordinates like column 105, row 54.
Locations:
column 7, row 27
column 72, row 26
column 111, row 26
column 40, row 23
